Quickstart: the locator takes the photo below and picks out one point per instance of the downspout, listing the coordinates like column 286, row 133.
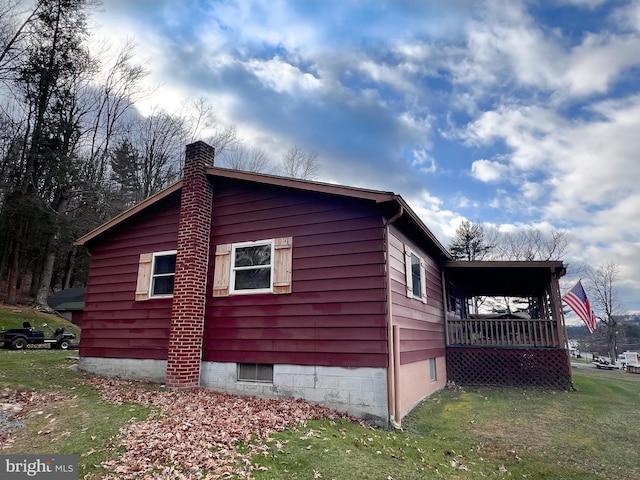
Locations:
column 393, row 384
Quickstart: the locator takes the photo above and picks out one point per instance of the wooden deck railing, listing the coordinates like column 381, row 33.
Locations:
column 503, row 332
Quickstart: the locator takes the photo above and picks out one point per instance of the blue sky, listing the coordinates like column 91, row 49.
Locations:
column 508, row 113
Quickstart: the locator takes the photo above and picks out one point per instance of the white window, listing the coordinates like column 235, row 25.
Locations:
column 163, row 274
column 252, row 267
column 433, row 370
column 416, row 277
column 156, row 274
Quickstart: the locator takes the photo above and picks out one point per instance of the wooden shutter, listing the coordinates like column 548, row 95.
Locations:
column 423, row 280
column 282, row 265
column 222, row 270
column 144, row 276
column 407, row 270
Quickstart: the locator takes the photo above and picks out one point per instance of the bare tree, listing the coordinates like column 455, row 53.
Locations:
column 531, row 244
column 247, row 159
column 108, row 104
column 14, row 27
column 601, row 287
column 297, row 163
column 202, row 124
column 159, row 139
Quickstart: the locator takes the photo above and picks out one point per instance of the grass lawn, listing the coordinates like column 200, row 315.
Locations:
column 591, row 433
column 479, row 433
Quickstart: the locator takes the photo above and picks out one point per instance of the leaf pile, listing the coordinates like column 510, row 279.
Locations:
column 194, row 433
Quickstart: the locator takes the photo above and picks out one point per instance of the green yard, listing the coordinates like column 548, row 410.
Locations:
column 590, row 433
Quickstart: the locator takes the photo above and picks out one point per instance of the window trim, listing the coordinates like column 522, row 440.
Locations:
column 416, row 295
column 421, row 296
column 433, row 369
column 153, row 275
column 234, row 269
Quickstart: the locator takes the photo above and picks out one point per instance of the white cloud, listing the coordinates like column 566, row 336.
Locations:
column 505, row 45
column 423, row 161
column 593, row 65
column 488, row 171
column 384, row 74
column 282, row 77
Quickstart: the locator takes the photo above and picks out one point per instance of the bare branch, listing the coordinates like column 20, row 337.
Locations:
column 297, row 163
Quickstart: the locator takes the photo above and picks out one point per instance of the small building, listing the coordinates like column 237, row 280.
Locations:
column 257, row 284
column 69, row 304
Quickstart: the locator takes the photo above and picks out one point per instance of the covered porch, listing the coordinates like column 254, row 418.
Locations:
column 504, row 323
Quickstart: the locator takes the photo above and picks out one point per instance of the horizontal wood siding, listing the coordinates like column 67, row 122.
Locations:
column 114, row 324
column 421, row 325
column 335, row 314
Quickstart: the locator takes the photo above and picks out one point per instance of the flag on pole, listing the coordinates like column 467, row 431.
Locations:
column 577, row 300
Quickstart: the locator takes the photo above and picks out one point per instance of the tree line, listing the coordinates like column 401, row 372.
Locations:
column 75, row 151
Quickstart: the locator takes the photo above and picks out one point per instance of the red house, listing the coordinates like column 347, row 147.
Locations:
column 257, row 284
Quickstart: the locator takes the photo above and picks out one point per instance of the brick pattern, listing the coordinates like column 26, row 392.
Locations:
column 192, row 259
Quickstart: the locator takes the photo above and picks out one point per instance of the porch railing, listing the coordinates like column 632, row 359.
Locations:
column 503, row 332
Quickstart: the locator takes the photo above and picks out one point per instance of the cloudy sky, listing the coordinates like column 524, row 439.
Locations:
column 504, row 112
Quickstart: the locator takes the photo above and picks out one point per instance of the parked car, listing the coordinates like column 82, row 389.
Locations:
column 20, row 338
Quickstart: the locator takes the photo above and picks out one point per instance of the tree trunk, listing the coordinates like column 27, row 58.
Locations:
column 14, row 273
column 612, row 345
column 71, row 263
column 50, row 256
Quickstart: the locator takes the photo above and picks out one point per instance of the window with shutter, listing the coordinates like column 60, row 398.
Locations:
column 415, row 273
column 253, row 267
column 156, row 273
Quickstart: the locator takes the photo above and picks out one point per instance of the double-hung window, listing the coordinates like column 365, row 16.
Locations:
column 156, row 274
column 263, row 266
column 163, row 274
column 252, row 267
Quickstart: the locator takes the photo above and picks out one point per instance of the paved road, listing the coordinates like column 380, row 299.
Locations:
column 591, row 366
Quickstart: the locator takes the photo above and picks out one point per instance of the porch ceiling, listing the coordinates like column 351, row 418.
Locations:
column 514, row 279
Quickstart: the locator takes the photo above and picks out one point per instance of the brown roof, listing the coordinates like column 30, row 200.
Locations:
column 389, row 200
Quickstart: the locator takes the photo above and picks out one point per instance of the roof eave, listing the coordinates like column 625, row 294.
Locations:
column 301, row 184
column 421, row 225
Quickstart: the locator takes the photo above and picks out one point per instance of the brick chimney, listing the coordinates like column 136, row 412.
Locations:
column 192, row 260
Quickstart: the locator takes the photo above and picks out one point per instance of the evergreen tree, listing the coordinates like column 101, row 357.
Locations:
column 469, row 242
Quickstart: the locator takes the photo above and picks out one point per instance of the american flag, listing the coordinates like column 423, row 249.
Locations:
column 577, row 300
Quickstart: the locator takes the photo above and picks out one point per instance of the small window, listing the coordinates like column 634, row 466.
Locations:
column 416, row 276
column 255, row 372
column 252, row 267
column 433, row 370
column 163, row 274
